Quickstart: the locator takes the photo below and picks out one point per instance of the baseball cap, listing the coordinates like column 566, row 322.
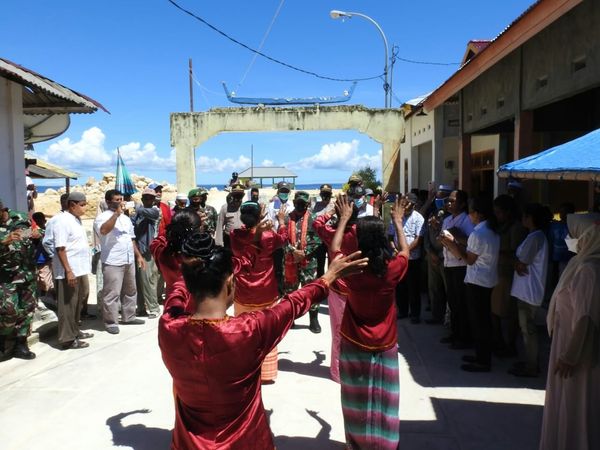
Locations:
column 445, row 188
column 325, row 188
column 154, row 186
column 412, row 198
column 302, row 195
column 354, row 178
column 283, row 185
column 76, row 197
column 149, row 191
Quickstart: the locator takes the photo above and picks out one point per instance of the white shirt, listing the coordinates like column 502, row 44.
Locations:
column 48, row 241
column 534, row 252
column 273, row 210
column 366, row 210
column 70, row 234
column 413, row 228
column 464, row 224
column 116, row 247
column 486, row 245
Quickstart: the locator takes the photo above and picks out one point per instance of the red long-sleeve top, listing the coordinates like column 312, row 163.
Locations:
column 349, row 245
column 167, row 263
column 257, row 285
column 215, row 367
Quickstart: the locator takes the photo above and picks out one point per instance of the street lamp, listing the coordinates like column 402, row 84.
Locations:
column 336, row 14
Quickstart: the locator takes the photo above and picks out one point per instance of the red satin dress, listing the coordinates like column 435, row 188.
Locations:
column 167, row 263
column 215, row 367
column 256, row 286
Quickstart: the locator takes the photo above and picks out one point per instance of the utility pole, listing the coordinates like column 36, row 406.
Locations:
column 191, row 76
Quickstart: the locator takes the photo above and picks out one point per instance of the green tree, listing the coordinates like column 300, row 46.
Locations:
column 369, row 177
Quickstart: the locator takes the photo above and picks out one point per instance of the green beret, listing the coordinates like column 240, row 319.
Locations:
column 194, row 192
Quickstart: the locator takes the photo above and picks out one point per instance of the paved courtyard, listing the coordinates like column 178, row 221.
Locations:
column 117, row 394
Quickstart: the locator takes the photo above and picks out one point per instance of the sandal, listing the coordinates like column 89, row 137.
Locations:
column 76, row 344
column 83, row 335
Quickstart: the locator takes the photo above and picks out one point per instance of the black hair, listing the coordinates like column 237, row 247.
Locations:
column 463, row 197
column 250, row 214
column 540, row 215
column 38, row 217
column 63, row 201
column 568, row 207
column 111, row 193
column 184, row 223
column 207, row 267
column 374, row 244
column 483, row 206
column 507, row 204
column 254, row 189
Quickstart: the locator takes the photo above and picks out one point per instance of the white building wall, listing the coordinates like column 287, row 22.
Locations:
column 12, row 143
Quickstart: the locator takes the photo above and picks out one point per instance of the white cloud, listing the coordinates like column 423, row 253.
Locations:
column 268, row 163
column 207, row 164
column 89, row 153
column 341, row 156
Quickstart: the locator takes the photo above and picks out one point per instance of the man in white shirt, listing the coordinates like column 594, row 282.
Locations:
column 282, row 198
column 460, row 227
column 119, row 254
column 408, row 292
column 71, row 266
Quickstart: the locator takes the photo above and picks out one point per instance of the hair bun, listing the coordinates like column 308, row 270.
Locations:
column 199, row 245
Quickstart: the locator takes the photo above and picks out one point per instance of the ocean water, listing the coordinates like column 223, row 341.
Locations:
column 309, row 186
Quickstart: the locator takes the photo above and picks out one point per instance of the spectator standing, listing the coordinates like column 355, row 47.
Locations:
column 529, row 282
column 119, row 256
column 18, row 290
column 181, row 201
column 207, row 213
column 145, row 221
column 572, row 405
column 505, row 317
column 300, row 252
column 481, row 255
column 281, row 198
column 165, row 211
column 322, row 207
column 229, row 215
column 71, row 267
column 408, row 291
column 456, row 227
column 45, row 280
column 357, row 194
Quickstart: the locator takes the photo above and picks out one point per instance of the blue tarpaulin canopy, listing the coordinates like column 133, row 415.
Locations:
column 578, row 159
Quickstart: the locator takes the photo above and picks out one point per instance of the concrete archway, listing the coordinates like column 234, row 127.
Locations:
column 190, row 130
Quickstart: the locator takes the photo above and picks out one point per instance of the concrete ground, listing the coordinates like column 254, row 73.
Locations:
column 117, row 394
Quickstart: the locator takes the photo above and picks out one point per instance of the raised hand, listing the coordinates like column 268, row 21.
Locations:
column 344, row 208
column 399, row 208
column 281, row 213
column 342, row 266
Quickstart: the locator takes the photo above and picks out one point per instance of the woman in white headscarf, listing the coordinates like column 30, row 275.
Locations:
column 572, row 408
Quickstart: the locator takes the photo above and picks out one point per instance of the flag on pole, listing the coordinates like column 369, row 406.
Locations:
column 123, row 181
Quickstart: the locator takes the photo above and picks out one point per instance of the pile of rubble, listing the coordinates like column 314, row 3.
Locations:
column 49, row 201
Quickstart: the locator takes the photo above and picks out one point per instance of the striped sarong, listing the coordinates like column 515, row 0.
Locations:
column 370, row 397
column 336, row 303
column 268, row 370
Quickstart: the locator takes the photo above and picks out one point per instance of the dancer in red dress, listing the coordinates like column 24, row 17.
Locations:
column 215, row 359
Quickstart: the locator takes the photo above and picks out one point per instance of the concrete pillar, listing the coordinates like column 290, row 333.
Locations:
column 464, row 162
column 523, row 135
column 437, row 146
column 391, row 165
column 12, row 146
column 185, row 159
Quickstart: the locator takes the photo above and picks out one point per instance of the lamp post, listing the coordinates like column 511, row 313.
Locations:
column 336, row 14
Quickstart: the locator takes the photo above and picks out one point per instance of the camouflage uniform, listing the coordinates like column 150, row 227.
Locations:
column 18, row 289
column 307, row 270
column 210, row 223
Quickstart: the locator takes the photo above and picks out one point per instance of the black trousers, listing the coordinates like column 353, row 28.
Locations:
column 479, row 304
column 278, row 256
column 408, row 291
column 321, row 256
column 457, row 300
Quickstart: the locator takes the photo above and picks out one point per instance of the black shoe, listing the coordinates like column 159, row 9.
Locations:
column 476, row 367
column 447, row 340
column 134, row 322
column 314, row 322
column 21, row 349
column 415, row 320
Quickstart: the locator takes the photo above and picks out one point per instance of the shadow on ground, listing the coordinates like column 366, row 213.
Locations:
column 321, row 441
column 314, row 368
column 137, row 436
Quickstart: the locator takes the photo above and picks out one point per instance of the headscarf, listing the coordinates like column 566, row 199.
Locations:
column 586, row 228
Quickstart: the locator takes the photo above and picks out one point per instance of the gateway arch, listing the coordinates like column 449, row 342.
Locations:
column 190, row 130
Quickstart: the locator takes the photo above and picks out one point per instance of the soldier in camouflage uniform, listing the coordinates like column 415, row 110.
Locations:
column 300, row 262
column 208, row 214
column 18, row 289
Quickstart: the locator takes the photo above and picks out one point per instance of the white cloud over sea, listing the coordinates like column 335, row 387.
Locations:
column 339, row 155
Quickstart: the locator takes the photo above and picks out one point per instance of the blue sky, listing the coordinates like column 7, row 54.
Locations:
column 131, row 55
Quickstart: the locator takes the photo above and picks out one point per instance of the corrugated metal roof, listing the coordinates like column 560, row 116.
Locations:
column 268, row 172
column 43, row 95
column 44, row 169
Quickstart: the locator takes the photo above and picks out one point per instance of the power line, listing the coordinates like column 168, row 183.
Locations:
column 277, row 61
column 262, row 43
column 429, row 63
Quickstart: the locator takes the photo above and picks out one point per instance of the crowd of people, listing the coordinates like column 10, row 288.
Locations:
column 482, row 267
